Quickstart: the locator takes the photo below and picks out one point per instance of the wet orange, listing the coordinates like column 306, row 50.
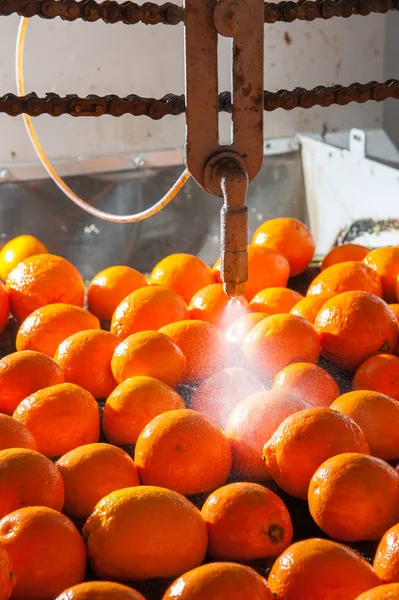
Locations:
column 346, row 277
column 91, row 472
column 386, row 559
column 4, row 307
column 109, row 287
column 46, row 551
column 149, row 353
column 183, row 273
column 61, row 418
column 385, row 262
column 395, row 309
column 40, row 280
column 355, row 325
column 266, row 268
column 354, row 497
column 133, row 404
column 309, row 307
column 217, row 396
column 203, row 346
column 275, row 300
column 308, row 381
column 7, row 579
column 85, row 359
column 219, row 580
column 389, row 591
column 211, row 304
column 148, row 308
column 278, row 341
column 320, row 570
column 184, row 451
column 143, row 533
column 289, row 237
column 245, row 522
column 100, row 590
column 344, row 253
column 236, row 332
column 252, row 423
column 16, row 250
column 47, row 327
column 15, row 435
column 304, row 441
column 22, row 374
column 28, row 478
column 378, row 416
column 379, row 373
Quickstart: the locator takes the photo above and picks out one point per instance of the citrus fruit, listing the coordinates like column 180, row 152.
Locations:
column 145, row 532
column 309, row 307
column 184, row 451
column 308, row 381
column 109, row 287
column 304, row 441
column 183, row 273
column 211, row 304
column 385, row 262
column 47, row 327
column 15, row 435
column 4, row 307
column 344, row 253
column 40, row 280
column 61, row 418
column 389, row 591
column 379, row 373
column 236, row 332
column 100, row 590
column 386, row 560
column 246, row 521
column 149, row 353
column 85, row 359
column 395, row 309
column 346, row 277
column 274, row 300
column 16, row 250
column 7, row 579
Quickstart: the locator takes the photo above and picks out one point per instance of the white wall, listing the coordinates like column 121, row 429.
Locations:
column 97, row 58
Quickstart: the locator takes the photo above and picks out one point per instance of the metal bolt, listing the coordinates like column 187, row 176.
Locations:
column 78, row 108
column 138, row 161
column 4, row 174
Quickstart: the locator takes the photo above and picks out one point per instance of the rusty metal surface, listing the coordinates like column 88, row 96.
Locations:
column 171, row 14
column 171, row 104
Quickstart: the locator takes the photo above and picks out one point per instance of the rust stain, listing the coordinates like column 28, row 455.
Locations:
column 287, row 38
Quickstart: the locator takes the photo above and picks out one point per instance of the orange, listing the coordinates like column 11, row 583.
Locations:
column 40, row 280
column 85, row 359
column 379, row 373
column 304, row 441
column 91, row 472
column 251, row 423
column 100, row 590
column 219, row 580
column 149, row 353
column 348, row 276
column 46, row 552
column 47, row 327
column 133, row 404
column 308, row 381
column 385, row 262
column 395, row 309
column 148, row 308
column 61, row 418
column 246, row 521
column 16, row 250
column 7, row 579
column 28, row 478
column 353, row 326
column 22, row 374
column 4, row 307
column 15, row 435
column 344, row 253
column 217, row 396
column 289, row 237
column 266, row 268
column 275, row 300
column 309, row 307
column 143, row 533
column 378, row 416
column 278, row 341
column 183, row 273
column 109, row 287
column 203, row 346
column 390, row 591
column 213, row 305
column 386, row 560
column 319, row 569
column 236, row 332
column 354, row 497
column 183, row 451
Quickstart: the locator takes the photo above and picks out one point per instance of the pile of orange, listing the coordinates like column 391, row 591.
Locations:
column 159, row 439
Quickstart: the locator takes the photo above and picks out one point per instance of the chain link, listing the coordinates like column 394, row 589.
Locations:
column 96, row 106
column 149, row 13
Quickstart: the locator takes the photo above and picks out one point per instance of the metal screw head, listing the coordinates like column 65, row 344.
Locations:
column 230, row 17
column 138, row 161
column 4, row 174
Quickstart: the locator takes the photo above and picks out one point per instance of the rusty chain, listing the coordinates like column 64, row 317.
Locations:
column 96, row 106
column 149, row 13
